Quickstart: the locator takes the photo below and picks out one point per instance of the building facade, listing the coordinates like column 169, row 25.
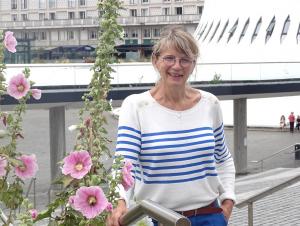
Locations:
column 48, row 24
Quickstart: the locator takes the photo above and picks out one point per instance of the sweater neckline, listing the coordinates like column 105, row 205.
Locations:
column 189, row 110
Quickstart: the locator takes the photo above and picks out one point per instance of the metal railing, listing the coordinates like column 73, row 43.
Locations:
column 249, row 201
column 261, row 161
column 149, row 208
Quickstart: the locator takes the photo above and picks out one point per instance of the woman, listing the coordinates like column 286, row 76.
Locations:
column 282, row 122
column 173, row 134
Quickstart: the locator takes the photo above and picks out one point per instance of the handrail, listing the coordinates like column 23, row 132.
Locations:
column 154, row 210
column 261, row 161
column 249, row 201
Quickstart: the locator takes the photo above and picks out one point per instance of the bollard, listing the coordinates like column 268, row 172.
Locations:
column 297, row 151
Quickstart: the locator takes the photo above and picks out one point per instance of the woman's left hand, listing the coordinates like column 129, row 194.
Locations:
column 227, row 206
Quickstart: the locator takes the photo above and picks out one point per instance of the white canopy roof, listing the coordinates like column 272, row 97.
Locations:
column 276, row 22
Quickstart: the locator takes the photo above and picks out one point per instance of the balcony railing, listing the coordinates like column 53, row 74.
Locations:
column 93, row 22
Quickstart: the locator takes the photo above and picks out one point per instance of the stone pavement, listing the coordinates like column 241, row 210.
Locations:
column 277, row 209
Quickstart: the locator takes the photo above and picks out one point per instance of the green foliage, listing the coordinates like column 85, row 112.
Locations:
column 217, row 79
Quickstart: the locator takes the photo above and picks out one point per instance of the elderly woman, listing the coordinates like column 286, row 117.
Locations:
column 173, row 135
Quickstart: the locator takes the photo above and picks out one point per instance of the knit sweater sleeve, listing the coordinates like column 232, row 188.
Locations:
column 129, row 140
column 223, row 158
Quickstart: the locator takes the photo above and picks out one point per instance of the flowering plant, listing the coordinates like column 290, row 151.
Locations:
column 89, row 189
column 15, row 167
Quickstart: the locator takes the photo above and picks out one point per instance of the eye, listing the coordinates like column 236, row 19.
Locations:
column 185, row 61
column 169, row 58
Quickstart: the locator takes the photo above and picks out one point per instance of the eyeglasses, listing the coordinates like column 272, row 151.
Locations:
column 171, row 60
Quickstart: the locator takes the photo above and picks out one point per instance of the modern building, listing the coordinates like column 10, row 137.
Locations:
column 49, row 24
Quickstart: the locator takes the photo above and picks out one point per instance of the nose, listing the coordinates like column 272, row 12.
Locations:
column 177, row 63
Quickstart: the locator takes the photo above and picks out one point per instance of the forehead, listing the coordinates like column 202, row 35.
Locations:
column 172, row 51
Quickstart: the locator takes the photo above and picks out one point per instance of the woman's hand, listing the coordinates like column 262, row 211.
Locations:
column 114, row 218
column 227, row 206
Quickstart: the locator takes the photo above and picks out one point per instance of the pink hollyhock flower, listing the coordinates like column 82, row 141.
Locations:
column 28, row 168
column 10, row 41
column 71, row 200
column 127, row 180
column 18, row 86
column 90, row 201
column 33, row 213
column 36, row 93
column 77, row 164
column 109, row 207
column 3, row 165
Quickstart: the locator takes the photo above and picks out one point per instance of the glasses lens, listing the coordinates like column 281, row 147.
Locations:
column 169, row 60
column 185, row 62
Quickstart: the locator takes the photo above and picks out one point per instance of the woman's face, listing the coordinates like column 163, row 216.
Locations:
column 174, row 67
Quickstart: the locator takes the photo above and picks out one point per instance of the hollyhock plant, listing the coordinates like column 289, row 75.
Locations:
column 10, row 41
column 36, row 93
column 29, row 167
column 90, row 201
column 3, row 165
column 18, row 86
column 77, row 164
column 127, row 179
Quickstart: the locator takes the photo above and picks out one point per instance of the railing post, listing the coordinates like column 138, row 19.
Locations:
column 297, row 151
column 250, row 214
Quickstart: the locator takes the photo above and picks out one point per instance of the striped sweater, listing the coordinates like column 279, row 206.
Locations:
column 180, row 158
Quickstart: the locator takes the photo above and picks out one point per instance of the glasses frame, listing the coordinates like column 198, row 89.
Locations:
column 171, row 60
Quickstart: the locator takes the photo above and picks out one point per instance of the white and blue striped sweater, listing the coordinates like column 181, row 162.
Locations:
column 180, row 158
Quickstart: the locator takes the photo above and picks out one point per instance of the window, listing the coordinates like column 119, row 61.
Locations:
column 244, row 29
column 43, row 35
column 24, row 35
column 215, row 31
column 285, row 28
column 144, row 12
column 208, row 31
column 232, row 30
column 24, row 4
column 166, row 11
column 199, row 9
column 14, row 4
column 52, row 4
column 223, row 31
column 71, row 3
column 42, row 4
column 52, row 16
column 166, row 1
column 256, row 30
column 81, row 2
column 41, row 16
column 82, row 15
column 270, row 29
column 178, row 10
column 134, row 34
column 70, row 35
column 132, row 2
column 24, row 17
column 145, row 1
column 93, row 35
column 71, row 15
column 147, row 33
column 133, row 12
column 14, row 17
column 156, row 32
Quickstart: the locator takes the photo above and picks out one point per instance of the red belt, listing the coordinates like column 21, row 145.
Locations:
column 210, row 209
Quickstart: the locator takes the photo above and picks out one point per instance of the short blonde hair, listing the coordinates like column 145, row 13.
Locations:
column 176, row 37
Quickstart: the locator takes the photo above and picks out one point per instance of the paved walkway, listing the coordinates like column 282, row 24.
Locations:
column 261, row 143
